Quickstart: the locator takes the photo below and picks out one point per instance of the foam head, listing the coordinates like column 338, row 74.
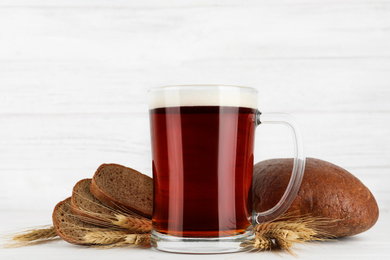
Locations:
column 204, row 95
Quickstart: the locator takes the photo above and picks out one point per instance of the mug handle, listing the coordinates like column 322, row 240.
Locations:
column 298, row 166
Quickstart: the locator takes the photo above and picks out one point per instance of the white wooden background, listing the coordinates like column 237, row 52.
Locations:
column 74, row 76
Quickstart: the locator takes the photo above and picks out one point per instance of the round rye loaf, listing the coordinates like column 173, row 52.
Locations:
column 327, row 191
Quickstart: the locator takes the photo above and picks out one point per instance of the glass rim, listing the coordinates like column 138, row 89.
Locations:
column 201, row 86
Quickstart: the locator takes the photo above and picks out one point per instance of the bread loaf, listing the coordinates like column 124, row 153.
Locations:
column 327, row 191
column 123, row 188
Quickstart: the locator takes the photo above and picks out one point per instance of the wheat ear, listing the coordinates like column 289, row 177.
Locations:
column 36, row 234
column 135, row 224
column 104, row 237
column 122, row 219
column 116, row 239
column 283, row 234
column 32, row 236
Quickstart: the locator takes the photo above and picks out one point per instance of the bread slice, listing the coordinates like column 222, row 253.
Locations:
column 124, row 189
column 72, row 229
column 88, row 208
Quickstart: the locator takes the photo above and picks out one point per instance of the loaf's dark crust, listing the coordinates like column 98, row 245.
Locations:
column 115, row 203
column 327, row 191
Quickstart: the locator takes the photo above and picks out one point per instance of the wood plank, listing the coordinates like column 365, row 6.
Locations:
column 79, row 141
column 308, row 85
column 178, row 3
column 196, row 32
column 41, row 189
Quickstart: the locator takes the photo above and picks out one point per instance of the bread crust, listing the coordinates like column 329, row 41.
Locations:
column 327, row 191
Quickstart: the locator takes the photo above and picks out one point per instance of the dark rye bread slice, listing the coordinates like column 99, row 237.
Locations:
column 124, row 189
column 69, row 227
column 87, row 207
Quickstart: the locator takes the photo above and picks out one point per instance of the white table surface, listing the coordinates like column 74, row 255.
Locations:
column 373, row 244
column 74, row 76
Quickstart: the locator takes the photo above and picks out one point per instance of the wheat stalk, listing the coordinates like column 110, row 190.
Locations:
column 104, row 237
column 31, row 236
column 122, row 219
column 109, row 239
column 283, row 233
column 36, row 234
column 135, row 224
column 138, row 240
column 261, row 244
column 122, row 229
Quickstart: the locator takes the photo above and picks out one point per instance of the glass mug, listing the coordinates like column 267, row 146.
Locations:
column 202, row 150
